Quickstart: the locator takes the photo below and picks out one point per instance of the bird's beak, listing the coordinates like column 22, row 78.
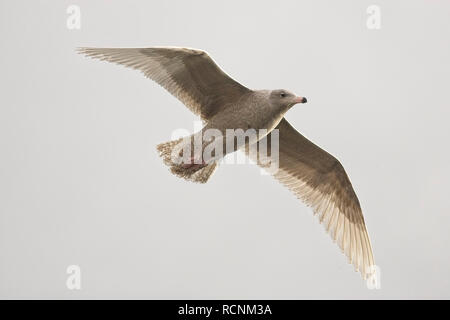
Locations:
column 300, row 100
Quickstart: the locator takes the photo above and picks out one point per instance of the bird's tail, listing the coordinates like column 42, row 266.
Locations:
column 170, row 152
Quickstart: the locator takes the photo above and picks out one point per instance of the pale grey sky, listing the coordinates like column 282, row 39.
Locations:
column 81, row 182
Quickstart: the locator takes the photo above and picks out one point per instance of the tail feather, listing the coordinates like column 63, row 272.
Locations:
column 200, row 174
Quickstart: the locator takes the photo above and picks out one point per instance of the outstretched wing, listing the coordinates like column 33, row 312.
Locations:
column 188, row 74
column 317, row 178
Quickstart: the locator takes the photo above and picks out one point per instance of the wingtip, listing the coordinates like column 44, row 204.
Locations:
column 87, row 51
column 80, row 50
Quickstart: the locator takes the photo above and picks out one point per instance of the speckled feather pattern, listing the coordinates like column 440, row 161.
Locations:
column 312, row 174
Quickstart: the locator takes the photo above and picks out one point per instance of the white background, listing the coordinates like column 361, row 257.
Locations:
column 81, row 182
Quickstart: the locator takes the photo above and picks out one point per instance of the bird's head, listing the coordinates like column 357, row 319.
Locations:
column 285, row 99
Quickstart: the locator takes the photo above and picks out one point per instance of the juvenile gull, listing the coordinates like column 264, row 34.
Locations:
column 312, row 174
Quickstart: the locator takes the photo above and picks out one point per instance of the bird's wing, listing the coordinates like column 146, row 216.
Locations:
column 317, row 178
column 188, row 74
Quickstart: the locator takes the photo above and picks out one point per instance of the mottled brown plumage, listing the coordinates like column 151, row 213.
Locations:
column 318, row 178
column 309, row 172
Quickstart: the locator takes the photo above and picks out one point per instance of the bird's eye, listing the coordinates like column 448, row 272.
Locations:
column 282, row 94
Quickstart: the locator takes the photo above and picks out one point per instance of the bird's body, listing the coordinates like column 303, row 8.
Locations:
column 253, row 110
column 309, row 172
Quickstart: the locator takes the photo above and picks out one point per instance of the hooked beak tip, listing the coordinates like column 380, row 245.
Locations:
column 301, row 100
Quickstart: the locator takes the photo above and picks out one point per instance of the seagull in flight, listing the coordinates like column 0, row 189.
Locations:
column 312, row 174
